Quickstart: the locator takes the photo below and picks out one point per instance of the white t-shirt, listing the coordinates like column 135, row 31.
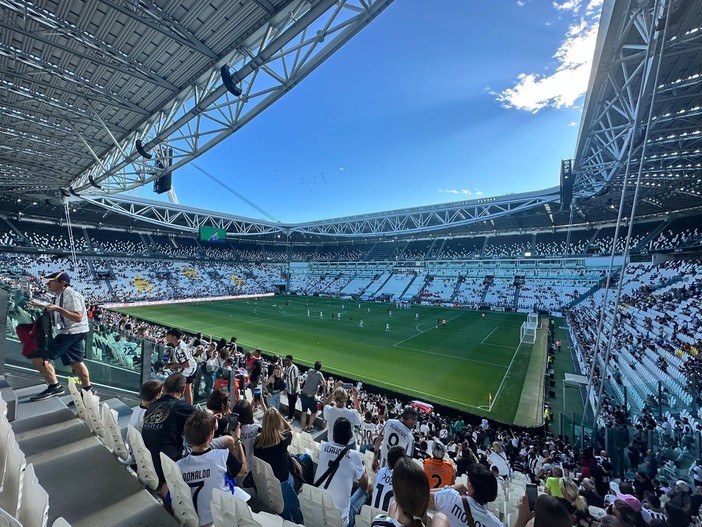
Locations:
column 341, row 483
column 395, row 433
column 332, row 413
column 368, row 433
column 382, row 489
column 137, row 417
column 500, row 461
column 182, row 354
column 248, row 435
column 71, row 300
column 450, row 503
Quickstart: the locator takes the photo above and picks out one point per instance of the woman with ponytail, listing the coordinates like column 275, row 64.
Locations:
column 574, row 503
column 411, row 491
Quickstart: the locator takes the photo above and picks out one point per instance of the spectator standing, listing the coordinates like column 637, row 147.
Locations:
column 308, row 396
column 275, row 385
column 395, row 432
column 291, row 374
column 338, row 409
column 69, row 315
column 182, row 359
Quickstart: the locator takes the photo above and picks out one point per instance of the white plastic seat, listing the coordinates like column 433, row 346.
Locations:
column 34, row 506
column 181, row 497
column 81, row 412
column 8, row 521
column 268, row 490
column 92, row 408
column 113, row 435
column 12, row 479
column 365, row 516
column 318, row 508
column 7, row 436
column 228, row 510
column 146, row 473
column 60, row 522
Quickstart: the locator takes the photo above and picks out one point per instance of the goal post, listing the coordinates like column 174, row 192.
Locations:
column 527, row 333
column 533, row 320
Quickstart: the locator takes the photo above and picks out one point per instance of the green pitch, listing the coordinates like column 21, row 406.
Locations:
column 460, row 365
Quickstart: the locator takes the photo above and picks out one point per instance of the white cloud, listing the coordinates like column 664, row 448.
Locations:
column 463, row 191
column 521, row 3
column 568, row 5
column 573, row 123
column 561, row 89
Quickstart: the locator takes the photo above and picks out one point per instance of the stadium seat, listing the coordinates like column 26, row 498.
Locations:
column 146, row 473
column 81, row 412
column 92, row 409
column 113, row 435
column 228, row 510
column 8, row 521
column 181, row 497
column 60, row 522
column 12, row 479
column 34, row 506
column 268, row 490
column 365, row 517
column 318, row 508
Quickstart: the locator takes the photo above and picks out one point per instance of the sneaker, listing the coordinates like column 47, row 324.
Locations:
column 49, row 392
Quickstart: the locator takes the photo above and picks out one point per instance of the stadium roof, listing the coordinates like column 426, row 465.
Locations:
column 101, row 97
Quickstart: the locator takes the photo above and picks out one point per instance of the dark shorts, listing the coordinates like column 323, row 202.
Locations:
column 70, row 348
column 189, row 380
column 308, row 403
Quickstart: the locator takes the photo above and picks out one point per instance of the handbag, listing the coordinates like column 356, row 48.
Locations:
column 35, row 337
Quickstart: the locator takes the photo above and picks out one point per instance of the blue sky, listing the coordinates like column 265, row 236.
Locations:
column 431, row 103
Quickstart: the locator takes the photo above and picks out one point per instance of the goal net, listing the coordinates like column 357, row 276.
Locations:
column 533, row 320
column 527, row 333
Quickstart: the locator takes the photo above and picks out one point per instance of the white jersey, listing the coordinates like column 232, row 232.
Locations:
column 395, row 433
column 332, row 413
column 182, row 354
column 203, row 473
column 450, row 503
column 341, row 483
column 70, row 300
column 382, row 489
column 368, row 433
column 248, row 436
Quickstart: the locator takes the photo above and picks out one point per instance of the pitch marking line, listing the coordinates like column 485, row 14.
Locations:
column 505, row 377
column 397, row 344
column 451, row 356
column 483, row 341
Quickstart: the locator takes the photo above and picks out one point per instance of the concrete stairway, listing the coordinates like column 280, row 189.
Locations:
column 86, row 484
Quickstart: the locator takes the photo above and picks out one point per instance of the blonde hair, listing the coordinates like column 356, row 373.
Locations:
column 571, row 492
column 340, row 396
column 271, row 429
column 497, row 447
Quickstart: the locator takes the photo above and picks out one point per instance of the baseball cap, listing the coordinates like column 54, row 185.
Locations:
column 683, row 485
column 631, row 501
column 60, row 276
